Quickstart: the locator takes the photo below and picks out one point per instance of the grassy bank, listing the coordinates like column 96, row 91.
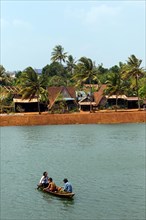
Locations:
column 110, row 117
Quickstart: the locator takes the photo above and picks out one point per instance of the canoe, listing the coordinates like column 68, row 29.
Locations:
column 62, row 194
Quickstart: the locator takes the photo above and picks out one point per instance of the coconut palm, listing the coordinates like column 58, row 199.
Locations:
column 58, row 54
column 5, row 77
column 115, row 85
column 86, row 72
column 133, row 71
column 33, row 86
column 6, row 99
column 2, row 74
column 71, row 63
column 142, row 85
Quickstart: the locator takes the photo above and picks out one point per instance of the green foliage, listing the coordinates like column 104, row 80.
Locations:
column 85, row 72
column 114, row 69
column 2, row 70
column 5, row 78
column 133, row 72
column 126, row 78
column 18, row 74
column 6, row 103
column 56, row 81
column 102, row 73
column 115, row 84
column 33, row 86
column 56, row 74
column 142, row 89
column 54, row 69
column 58, row 54
column 59, row 107
column 71, row 64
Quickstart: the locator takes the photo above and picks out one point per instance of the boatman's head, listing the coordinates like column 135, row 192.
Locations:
column 65, row 180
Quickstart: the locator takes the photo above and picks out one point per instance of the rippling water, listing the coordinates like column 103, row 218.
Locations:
column 104, row 163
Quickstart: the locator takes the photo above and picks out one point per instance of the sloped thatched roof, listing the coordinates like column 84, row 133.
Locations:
column 54, row 92
column 12, row 89
column 99, row 95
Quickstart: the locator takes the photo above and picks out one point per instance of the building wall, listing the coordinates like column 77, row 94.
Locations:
column 76, row 118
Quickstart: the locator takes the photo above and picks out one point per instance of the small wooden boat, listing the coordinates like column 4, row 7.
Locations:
column 62, row 194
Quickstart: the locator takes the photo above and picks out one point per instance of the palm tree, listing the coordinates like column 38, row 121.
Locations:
column 134, row 71
column 71, row 63
column 142, row 90
column 86, row 71
column 2, row 74
column 115, row 85
column 33, row 85
column 5, row 77
column 6, row 98
column 58, row 54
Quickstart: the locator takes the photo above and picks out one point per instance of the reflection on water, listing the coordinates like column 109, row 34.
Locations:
column 104, row 163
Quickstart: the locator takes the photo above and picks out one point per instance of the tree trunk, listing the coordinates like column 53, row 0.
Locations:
column 116, row 103
column 38, row 105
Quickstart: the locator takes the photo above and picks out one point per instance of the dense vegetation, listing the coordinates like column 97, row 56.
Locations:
column 127, row 78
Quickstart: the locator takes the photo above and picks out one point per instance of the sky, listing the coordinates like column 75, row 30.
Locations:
column 108, row 32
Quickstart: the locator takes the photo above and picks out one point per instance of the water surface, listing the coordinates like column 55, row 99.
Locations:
column 104, row 163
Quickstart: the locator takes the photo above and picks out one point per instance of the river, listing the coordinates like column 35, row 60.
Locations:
column 104, row 163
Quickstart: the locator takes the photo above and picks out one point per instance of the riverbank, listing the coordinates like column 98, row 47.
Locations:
column 103, row 117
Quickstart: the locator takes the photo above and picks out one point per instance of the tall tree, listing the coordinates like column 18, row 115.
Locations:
column 86, row 72
column 133, row 70
column 58, row 54
column 5, row 77
column 33, row 86
column 115, row 85
column 54, row 69
column 71, row 63
column 102, row 73
column 142, row 87
column 57, row 81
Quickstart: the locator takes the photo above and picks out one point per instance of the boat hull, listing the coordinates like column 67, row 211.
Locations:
column 61, row 194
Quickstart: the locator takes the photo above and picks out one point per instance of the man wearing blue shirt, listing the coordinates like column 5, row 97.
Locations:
column 67, row 186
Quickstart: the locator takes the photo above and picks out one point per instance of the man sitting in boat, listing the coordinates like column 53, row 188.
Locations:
column 67, row 186
column 44, row 180
column 51, row 186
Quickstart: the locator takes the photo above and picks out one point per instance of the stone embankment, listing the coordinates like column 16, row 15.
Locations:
column 107, row 117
